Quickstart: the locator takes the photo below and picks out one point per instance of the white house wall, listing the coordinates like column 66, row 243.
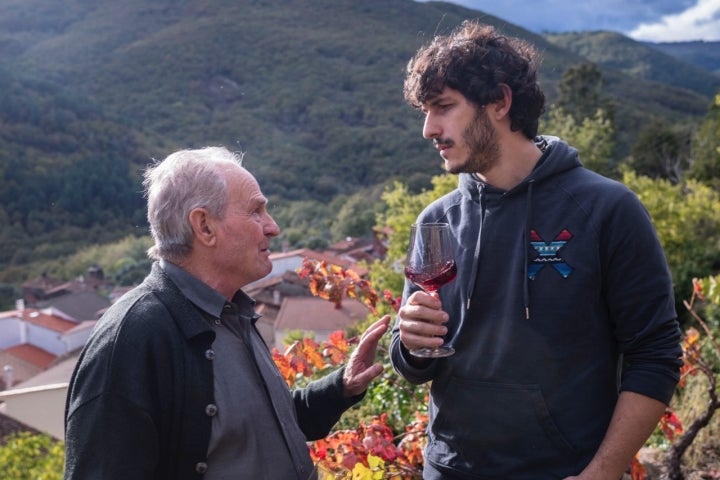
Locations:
column 76, row 338
column 11, row 332
column 48, row 340
column 282, row 265
column 42, row 408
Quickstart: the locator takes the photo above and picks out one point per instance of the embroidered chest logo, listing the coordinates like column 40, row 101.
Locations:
column 548, row 254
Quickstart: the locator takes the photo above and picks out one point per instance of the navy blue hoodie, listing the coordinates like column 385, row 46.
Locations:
column 562, row 299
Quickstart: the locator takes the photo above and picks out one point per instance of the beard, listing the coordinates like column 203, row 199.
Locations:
column 484, row 150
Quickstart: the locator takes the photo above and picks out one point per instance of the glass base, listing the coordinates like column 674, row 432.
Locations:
column 437, row 352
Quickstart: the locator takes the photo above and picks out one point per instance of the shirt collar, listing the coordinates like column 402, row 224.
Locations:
column 204, row 296
column 198, row 292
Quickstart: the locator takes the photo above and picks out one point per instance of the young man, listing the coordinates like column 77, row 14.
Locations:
column 562, row 312
column 176, row 382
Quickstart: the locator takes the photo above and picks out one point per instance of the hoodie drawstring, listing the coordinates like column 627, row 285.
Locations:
column 528, row 218
column 473, row 273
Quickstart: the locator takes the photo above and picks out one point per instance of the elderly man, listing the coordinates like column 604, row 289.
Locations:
column 176, row 382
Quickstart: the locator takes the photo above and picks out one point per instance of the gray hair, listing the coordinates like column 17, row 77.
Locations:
column 185, row 180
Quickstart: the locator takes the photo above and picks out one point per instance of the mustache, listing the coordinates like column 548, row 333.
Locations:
column 442, row 141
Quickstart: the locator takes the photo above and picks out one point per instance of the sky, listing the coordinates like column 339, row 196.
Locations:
column 642, row 20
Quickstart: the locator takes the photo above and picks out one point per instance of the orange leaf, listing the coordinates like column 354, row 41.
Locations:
column 691, row 350
column 698, row 288
column 283, row 365
column 310, row 349
column 337, row 339
column 670, row 424
column 637, row 470
column 334, row 283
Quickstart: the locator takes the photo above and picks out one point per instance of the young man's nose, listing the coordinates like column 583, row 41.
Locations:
column 430, row 128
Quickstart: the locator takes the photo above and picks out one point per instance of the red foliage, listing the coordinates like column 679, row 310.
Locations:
column 304, row 357
column 336, row 348
column 637, row 470
column 691, row 354
column 670, row 424
column 343, row 449
column 698, row 288
column 392, row 300
column 334, row 283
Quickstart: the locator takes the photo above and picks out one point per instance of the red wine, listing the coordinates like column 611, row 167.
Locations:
column 431, row 277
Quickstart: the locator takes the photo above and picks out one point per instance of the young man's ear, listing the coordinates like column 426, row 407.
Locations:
column 501, row 108
column 203, row 226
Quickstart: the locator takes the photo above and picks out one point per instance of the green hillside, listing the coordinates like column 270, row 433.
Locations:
column 90, row 92
column 705, row 55
column 638, row 60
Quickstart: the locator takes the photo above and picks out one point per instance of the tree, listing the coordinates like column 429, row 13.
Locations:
column 706, row 147
column 401, row 210
column 357, row 215
column 687, row 220
column 592, row 136
column 581, row 92
column 26, row 456
column 662, row 150
column 584, row 119
column 700, row 359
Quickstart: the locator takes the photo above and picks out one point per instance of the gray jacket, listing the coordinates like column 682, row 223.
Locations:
column 141, row 397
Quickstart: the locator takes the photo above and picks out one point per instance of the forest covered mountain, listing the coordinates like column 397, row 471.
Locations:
column 705, row 55
column 310, row 90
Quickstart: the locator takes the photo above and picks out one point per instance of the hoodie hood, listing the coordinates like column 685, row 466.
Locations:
column 557, row 157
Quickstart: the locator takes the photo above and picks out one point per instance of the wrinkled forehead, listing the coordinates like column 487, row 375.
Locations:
column 244, row 190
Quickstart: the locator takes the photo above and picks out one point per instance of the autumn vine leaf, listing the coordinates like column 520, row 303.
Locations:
column 283, row 365
column 306, row 357
column 691, row 354
column 697, row 288
column 371, row 450
column 368, row 452
column 670, row 424
column 637, row 470
column 336, row 348
column 392, row 300
column 414, row 440
column 334, row 283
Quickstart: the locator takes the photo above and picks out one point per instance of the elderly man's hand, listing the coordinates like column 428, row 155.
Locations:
column 361, row 369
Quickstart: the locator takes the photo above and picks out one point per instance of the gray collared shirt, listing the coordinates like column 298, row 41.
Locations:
column 255, row 434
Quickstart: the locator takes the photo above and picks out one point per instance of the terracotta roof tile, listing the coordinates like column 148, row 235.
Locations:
column 314, row 314
column 52, row 322
column 31, row 354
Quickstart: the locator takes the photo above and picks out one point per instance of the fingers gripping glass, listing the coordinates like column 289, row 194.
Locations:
column 430, row 264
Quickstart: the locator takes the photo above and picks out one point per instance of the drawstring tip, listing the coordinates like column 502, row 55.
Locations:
column 527, row 313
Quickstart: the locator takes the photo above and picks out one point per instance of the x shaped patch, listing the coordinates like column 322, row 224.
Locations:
column 548, row 253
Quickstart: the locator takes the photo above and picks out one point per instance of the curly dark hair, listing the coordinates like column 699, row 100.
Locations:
column 474, row 60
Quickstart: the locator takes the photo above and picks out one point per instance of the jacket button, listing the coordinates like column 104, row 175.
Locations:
column 210, row 354
column 211, row 410
column 201, row 467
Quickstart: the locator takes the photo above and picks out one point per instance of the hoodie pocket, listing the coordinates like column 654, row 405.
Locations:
column 492, row 430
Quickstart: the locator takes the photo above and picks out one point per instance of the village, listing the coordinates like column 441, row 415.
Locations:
column 42, row 337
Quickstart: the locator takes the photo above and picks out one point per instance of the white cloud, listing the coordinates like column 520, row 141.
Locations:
column 651, row 20
column 700, row 22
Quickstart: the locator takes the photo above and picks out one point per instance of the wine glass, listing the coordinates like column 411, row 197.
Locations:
column 430, row 264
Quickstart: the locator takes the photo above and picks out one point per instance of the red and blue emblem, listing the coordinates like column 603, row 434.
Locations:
column 549, row 254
